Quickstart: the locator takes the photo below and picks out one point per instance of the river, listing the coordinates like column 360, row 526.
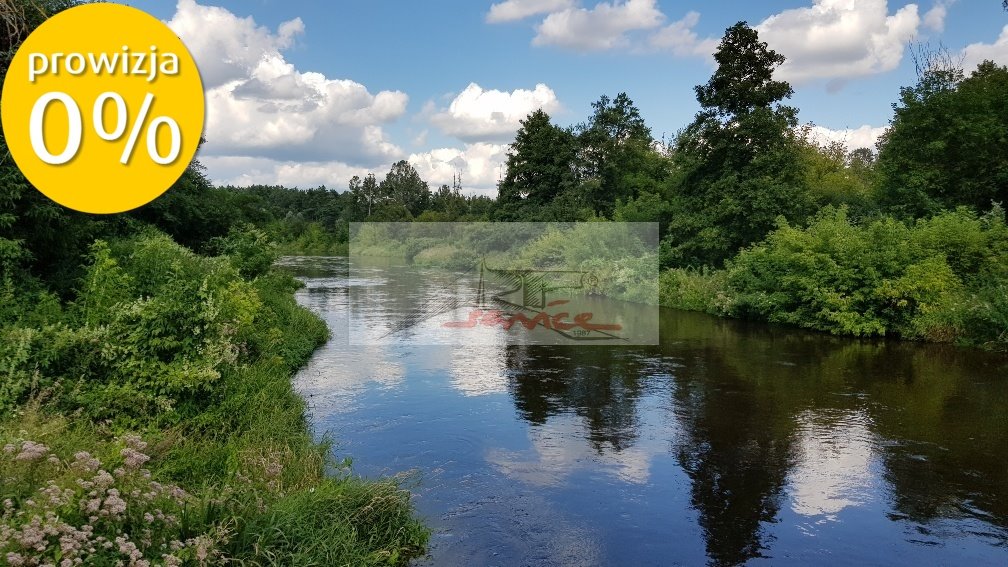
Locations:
column 728, row 443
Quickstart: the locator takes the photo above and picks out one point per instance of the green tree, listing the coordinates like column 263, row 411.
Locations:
column 404, row 186
column 947, row 144
column 737, row 165
column 539, row 163
column 834, row 176
column 363, row 196
column 614, row 148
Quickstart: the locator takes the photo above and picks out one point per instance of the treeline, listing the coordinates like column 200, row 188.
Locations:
column 745, row 188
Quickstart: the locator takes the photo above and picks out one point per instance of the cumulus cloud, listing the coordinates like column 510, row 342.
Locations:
column 477, row 114
column 248, row 170
column 512, row 10
column 934, row 19
column 679, row 38
column 603, row 27
column 840, row 39
column 834, row 40
column 976, row 53
column 481, row 165
column 862, row 137
column 259, row 105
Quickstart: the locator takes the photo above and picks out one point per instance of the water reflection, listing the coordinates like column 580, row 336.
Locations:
column 834, row 466
column 727, row 443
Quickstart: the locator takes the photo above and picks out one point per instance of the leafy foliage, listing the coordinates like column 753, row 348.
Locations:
column 738, row 159
column 540, row 163
column 947, row 145
column 884, row 278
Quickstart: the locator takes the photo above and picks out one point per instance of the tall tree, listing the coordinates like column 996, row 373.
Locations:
column 539, row 162
column 404, row 186
column 947, row 144
column 614, row 144
column 364, row 195
column 737, row 165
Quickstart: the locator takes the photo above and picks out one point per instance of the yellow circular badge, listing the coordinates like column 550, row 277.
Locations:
column 102, row 108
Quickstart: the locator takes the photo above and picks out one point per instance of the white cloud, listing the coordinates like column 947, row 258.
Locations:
column 854, row 138
column 481, row 166
column 491, row 115
column 840, row 39
column 603, row 27
column 248, row 170
column 512, row 10
column 834, row 40
column 831, row 475
column 679, row 38
column 555, row 453
column 976, row 53
column 934, row 19
column 259, row 105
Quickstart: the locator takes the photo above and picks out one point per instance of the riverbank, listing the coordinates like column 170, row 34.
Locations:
column 152, row 418
column 943, row 279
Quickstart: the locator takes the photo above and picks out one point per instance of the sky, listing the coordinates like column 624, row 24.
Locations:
column 308, row 93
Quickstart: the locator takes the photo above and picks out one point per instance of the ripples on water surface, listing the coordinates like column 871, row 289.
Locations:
column 728, row 443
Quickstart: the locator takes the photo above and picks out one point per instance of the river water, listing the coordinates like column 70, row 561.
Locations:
column 728, row 443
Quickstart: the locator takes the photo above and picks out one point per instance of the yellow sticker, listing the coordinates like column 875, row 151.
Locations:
column 102, row 108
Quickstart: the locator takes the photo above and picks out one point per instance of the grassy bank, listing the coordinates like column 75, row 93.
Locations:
column 151, row 418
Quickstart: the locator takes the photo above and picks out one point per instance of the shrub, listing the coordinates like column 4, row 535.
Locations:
column 695, row 290
column 250, row 250
column 937, row 279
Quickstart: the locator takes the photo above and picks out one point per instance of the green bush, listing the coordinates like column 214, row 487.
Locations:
column 692, row 289
column 938, row 279
column 250, row 250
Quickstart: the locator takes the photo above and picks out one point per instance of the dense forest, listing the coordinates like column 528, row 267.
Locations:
column 146, row 357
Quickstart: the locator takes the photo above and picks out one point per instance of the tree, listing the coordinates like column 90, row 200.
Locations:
column 364, row 195
column 403, row 186
column 835, row 176
column 614, row 145
column 449, row 201
column 947, row 144
column 737, row 168
column 539, row 163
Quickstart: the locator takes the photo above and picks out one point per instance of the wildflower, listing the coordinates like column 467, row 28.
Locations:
column 90, row 506
column 134, row 459
column 31, row 451
column 103, row 479
column 83, row 461
column 135, row 442
column 114, row 504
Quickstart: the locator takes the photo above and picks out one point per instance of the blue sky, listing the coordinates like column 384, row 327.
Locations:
column 311, row 92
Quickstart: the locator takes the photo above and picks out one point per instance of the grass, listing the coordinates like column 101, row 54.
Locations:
column 255, row 487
